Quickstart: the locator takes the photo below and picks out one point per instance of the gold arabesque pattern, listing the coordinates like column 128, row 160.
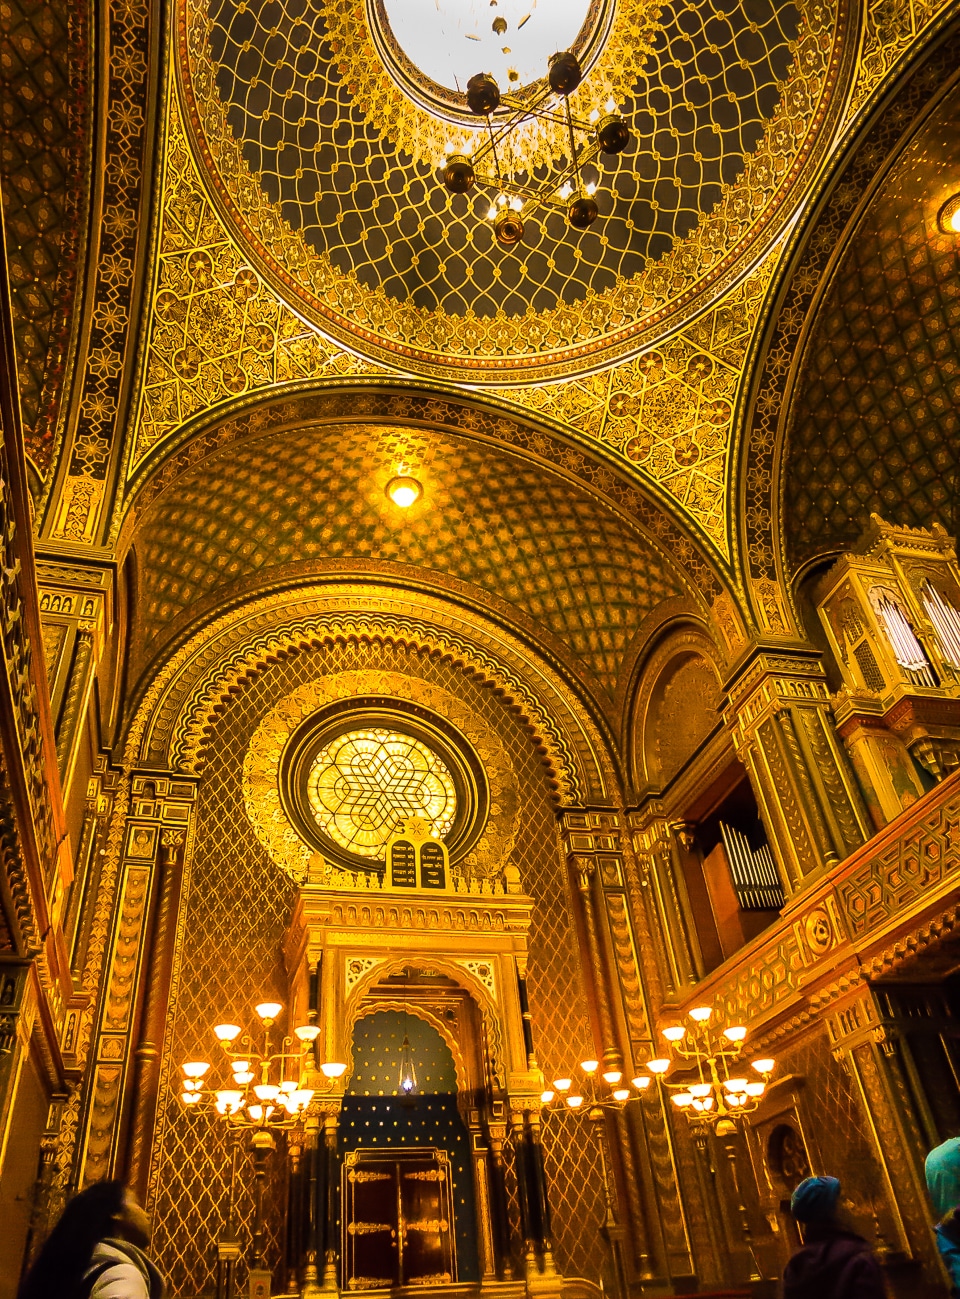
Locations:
column 262, row 765
column 363, row 784
column 400, row 322
column 216, row 329
column 670, row 412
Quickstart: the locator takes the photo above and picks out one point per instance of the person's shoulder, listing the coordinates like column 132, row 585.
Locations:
column 116, row 1274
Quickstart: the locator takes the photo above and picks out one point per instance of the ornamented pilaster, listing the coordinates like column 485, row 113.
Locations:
column 778, row 711
column 664, row 896
column 122, row 1091
column 76, row 612
column 645, row 1163
column 866, row 1039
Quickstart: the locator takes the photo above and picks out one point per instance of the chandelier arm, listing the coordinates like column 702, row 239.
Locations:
column 574, row 156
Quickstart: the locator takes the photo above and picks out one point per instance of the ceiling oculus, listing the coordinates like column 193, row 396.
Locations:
column 443, row 43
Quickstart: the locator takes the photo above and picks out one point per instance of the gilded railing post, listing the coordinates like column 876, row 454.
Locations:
column 777, row 708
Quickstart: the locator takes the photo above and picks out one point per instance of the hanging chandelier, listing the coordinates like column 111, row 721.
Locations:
column 711, row 1093
column 508, row 119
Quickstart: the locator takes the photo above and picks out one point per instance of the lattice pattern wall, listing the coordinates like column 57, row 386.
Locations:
column 237, row 906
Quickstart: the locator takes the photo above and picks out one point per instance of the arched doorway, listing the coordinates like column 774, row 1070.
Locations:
column 408, row 1199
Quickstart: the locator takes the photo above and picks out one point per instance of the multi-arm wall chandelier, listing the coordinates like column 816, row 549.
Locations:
column 710, row 1093
column 508, row 118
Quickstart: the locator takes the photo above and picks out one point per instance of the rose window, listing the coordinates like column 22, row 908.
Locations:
column 363, row 784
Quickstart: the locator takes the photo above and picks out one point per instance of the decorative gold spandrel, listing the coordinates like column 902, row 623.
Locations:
column 216, row 329
column 890, row 28
column 669, row 413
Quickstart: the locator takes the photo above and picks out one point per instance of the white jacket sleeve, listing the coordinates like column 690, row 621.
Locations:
column 121, row 1281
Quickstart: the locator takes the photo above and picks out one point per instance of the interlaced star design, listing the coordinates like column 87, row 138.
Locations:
column 364, row 783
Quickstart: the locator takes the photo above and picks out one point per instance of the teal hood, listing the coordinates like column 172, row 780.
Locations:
column 943, row 1176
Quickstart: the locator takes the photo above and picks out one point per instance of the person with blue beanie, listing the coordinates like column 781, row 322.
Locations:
column 834, row 1262
column 942, row 1167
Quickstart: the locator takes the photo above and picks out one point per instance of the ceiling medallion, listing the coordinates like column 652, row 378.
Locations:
column 327, row 168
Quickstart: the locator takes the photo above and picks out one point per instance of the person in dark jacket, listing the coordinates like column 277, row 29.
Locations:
column 96, row 1250
column 834, row 1262
column 942, row 1168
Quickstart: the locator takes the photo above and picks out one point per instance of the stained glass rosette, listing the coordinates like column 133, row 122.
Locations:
column 363, row 784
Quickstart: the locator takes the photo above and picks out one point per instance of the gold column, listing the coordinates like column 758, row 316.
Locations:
column 777, row 708
column 642, row 1150
column 866, row 1041
column 159, row 803
column 147, row 1061
column 670, row 920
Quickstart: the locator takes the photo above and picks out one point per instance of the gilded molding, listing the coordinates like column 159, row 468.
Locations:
column 184, row 694
column 76, row 507
column 889, row 31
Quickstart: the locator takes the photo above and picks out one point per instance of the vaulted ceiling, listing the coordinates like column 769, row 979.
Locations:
column 492, row 528
column 43, row 110
column 876, row 425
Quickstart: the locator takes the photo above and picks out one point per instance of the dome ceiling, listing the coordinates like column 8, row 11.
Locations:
column 491, row 528
column 326, row 168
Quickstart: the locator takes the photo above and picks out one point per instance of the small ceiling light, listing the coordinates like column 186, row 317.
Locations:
column 735, row 1034
column 589, row 1066
column 675, row 1034
column 227, row 1032
column 195, row 1068
column 763, row 1066
column 700, row 1014
column 612, row 1076
column 404, row 491
column 407, row 1083
column 562, row 1084
column 622, row 1094
column 333, row 1069
column 641, row 1083
column 949, row 217
column 658, row 1066
column 308, row 1032
column 268, row 1011
column 546, row 1097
